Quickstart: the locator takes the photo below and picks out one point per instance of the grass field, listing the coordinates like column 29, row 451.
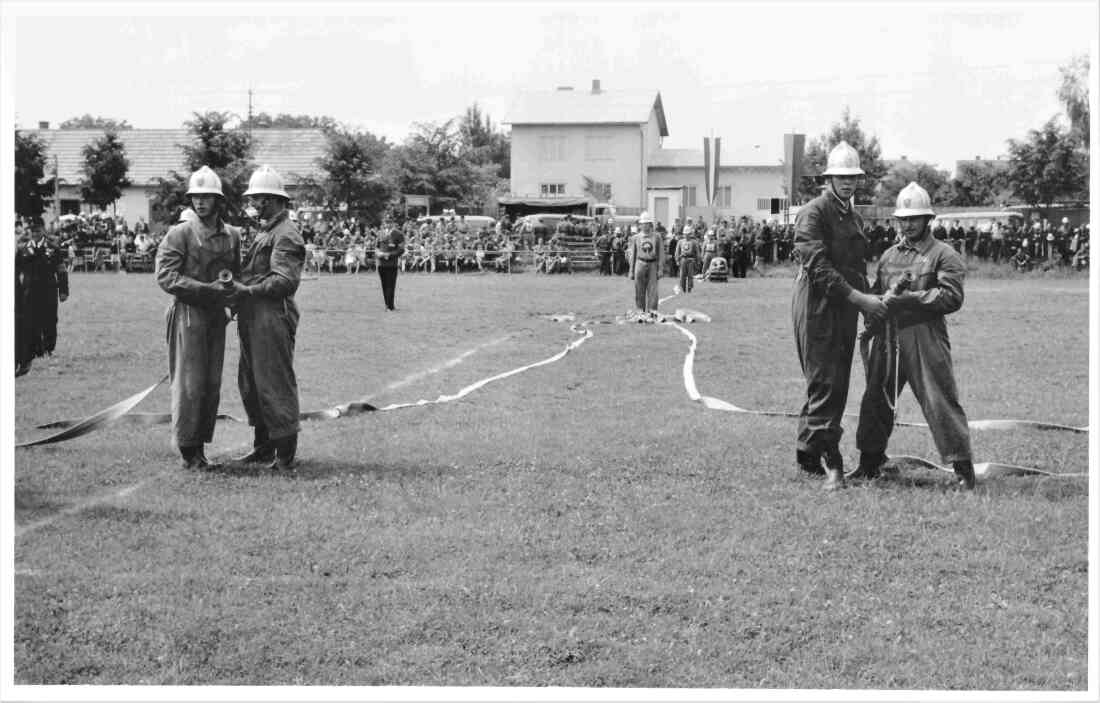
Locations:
column 580, row 524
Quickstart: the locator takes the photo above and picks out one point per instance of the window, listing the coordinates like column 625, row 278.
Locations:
column 691, row 196
column 550, row 190
column 766, row 204
column 552, row 148
column 725, row 196
column 597, row 148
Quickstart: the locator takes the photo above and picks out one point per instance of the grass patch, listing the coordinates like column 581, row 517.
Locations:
column 582, row 524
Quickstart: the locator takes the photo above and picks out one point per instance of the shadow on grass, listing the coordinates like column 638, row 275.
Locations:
column 33, row 505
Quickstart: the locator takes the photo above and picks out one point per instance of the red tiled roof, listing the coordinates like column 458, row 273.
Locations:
column 155, row 152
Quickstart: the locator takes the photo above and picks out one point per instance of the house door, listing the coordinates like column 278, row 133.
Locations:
column 660, row 210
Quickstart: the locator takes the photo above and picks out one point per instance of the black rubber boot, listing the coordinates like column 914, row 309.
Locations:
column 286, row 449
column 809, row 464
column 193, row 460
column 263, row 449
column 964, row 471
column 870, row 466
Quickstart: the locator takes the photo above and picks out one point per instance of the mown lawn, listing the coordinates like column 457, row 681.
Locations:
column 580, row 524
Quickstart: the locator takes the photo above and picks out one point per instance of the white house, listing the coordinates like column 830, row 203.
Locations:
column 560, row 138
column 565, row 141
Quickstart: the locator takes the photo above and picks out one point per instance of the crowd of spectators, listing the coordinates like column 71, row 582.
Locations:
column 99, row 241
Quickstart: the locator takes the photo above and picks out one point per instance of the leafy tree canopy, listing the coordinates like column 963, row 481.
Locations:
column 94, row 122
column 848, row 129
column 105, row 168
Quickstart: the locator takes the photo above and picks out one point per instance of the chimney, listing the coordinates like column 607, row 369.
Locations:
column 565, row 87
column 595, row 86
column 44, row 125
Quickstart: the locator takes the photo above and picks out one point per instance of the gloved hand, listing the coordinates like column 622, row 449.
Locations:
column 871, row 306
column 236, row 292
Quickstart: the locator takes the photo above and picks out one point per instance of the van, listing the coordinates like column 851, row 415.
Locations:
column 983, row 220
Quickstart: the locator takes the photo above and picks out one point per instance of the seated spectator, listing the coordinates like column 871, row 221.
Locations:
column 1021, row 261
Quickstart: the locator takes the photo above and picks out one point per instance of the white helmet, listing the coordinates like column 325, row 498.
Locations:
column 204, row 182
column 645, row 218
column 913, row 201
column 188, row 215
column 266, row 180
column 843, row 161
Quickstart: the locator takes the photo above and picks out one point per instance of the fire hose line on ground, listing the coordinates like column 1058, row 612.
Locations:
column 71, row 429
column 74, row 429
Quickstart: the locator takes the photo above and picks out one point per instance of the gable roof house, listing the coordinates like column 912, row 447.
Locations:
column 154, row 153
column 573, row 149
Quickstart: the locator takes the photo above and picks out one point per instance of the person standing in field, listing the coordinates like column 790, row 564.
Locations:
column 829, row 293
column 41, row 281
column 387, row 251
column 267, row 321
column 188, row 262
column 687, row 254
column 936, row 272
column 646, row 258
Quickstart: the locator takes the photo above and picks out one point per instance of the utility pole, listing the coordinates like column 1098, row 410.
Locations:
column 56, row 195
column 250, row 113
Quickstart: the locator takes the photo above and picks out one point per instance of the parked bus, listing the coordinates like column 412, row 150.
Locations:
column 983, row 220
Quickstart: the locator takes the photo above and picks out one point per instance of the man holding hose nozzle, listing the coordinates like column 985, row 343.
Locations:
column 189, row 260
column 830, row 291
column 921, row 344
column 267, row 321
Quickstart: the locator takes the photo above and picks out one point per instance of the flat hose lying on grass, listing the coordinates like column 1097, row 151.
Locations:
column 121, row 411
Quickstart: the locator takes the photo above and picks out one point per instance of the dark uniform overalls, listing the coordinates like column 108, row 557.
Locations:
column 267, row 321
column 830, row 248
column 188, row 259
column 924, row 350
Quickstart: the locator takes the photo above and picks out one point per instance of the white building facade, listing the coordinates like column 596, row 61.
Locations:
column 572, row 146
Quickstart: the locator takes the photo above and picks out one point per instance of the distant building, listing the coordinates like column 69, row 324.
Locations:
column 153, row 153
column 573, row 149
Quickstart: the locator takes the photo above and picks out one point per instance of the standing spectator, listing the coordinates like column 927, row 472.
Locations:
column 830, row 291
column 708, row 250
column 686, row 257
column 267, row 321
column 388, row 249
column 618, row 253
column 646, row 256
column 42, row 280
column 922, row 344
column 602, row 245
column 189, row 260
column 739, row 257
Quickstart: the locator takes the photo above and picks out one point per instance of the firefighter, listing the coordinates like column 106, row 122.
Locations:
column 41, row 281
column 922, row 345
column 602, row 246
column 188, row 262
column 267, row 321
column 829, row 293
column 687, row 254
column 646, row 258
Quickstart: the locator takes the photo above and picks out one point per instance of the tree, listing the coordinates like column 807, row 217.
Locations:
column 433, row 161
column 353, row 163
column 482, row 142
column 1047, row 167
column 89, row 122
column 980, row 183
column 1074, row 94
column 227, row 151
column 904, row 172
column 105, row 167
column 870, row 158
column 30, row 169
column 287, row 121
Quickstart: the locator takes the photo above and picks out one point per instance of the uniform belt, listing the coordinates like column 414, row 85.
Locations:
column 648, row 261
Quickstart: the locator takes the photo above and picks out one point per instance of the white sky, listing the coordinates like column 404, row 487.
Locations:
column 934, row 82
